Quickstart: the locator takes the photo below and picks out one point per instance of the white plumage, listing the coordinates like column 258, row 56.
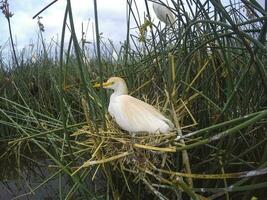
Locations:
column 132, row 114
column 163, row 13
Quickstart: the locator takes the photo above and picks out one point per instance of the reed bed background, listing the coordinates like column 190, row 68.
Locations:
column 206, row 72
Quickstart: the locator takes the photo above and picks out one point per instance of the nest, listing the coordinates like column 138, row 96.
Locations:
column 149, row 158
column 114, row 145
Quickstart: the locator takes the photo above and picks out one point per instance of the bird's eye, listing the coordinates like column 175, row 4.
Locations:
column 112, row 82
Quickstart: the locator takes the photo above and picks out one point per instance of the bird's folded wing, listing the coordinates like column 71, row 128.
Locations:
column 140, row 116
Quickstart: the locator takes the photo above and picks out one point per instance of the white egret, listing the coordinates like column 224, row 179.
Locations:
column 33, row 58
column 163, row 13
column 132, row 114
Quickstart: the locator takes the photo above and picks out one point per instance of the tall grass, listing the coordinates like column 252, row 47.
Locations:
column 206, row 72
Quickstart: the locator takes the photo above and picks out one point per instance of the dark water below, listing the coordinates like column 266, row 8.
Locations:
column 22, row 188
column 19, row 180
column 20, row 184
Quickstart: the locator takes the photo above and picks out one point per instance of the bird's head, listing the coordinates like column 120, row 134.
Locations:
column 115, row 83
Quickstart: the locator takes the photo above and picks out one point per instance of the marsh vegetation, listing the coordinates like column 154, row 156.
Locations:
column 206, row 72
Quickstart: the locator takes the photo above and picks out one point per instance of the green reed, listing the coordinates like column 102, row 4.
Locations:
column 213, row 59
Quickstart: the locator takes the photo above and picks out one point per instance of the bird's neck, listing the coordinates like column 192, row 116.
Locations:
column 122, row 90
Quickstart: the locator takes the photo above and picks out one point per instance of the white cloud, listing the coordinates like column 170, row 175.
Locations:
column 111, row 16
column 111, row 13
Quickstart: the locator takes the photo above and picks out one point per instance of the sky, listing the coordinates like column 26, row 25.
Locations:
column 112, row 19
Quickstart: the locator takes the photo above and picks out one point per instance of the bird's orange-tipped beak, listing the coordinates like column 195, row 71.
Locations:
column 105, row 84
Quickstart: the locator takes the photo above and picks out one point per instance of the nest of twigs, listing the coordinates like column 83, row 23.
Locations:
column 148, row 157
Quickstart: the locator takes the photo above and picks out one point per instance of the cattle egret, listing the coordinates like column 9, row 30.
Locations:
column 33, row 58
column 163, row 13
column 132, row 114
